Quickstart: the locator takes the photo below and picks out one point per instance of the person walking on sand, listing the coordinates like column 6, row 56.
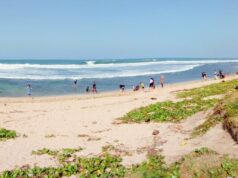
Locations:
column 162, row 81
column 94, row 87
column 29, row 89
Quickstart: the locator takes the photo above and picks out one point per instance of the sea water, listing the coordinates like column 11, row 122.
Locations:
column 55, row 77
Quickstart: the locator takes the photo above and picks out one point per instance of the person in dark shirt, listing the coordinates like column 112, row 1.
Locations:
column 122, row 87
column 87, row 89
column 152, row 83
column 94, row 87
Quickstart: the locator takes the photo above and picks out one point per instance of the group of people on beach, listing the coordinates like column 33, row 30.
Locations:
column 141, row 85
column 217, row 75
column 93, row 90
column 122, row 87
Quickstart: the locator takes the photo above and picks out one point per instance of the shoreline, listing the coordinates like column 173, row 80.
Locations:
column 114, row 93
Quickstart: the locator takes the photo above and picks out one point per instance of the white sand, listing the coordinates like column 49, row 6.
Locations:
column 66, row 117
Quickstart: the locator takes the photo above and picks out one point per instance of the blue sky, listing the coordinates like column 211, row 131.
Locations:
column 90, row 29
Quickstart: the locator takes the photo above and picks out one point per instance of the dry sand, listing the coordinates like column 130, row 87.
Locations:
column 88, row 121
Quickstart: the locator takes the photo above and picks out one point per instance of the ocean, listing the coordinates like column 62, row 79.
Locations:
column 55, row 77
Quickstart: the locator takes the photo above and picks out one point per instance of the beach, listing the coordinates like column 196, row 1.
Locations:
column 118, row 89
column 91, row 121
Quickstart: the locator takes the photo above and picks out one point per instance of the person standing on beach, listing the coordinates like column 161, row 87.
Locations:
column 204, row 75
column 152, row 83
column 136, row 88
column 94, row 87
column 162, row 81
column 75, row 84
column 122, row 87
column 87, row 89
column 142, row 85
column 215, row 75
column 220, row 73
column 29, row 90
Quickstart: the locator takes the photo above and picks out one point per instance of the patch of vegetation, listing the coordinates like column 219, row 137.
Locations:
column 210, row 90
column 231, row 116
column 67, row 153
column 216, row 117
column 154, row 166
column 232, row 105
column 204, row 127
column 207, row 163
column 45, row 151
column 61, row 155
column 7, row 134
column 227, row 112
column 103, row 166
column 204, row 150
column 202, row 162
column 169, row 111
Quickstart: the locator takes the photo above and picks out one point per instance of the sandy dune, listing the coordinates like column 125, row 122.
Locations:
column 88, row 121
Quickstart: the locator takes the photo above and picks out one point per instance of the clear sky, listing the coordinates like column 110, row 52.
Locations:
column 79, row 29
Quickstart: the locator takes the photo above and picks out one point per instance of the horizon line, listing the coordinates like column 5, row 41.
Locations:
column 118, row 58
